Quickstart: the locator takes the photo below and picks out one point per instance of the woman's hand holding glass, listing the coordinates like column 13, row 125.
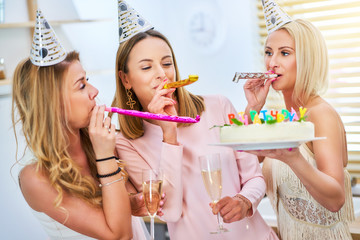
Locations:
column 211, row 174
column 230, row 209
column 152, row 187
column 138, row 207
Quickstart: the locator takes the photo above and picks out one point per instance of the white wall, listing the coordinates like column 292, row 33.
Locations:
column 97, row 43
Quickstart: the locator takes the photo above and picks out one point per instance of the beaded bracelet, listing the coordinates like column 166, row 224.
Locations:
column 109, row 174
column 109, row 183
column 104, row 159
column 244, row 199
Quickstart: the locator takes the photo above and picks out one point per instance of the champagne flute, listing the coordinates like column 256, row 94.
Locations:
column 211, row 174
column 152, row 184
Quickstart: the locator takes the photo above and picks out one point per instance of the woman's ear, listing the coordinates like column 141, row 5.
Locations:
column 124, row 80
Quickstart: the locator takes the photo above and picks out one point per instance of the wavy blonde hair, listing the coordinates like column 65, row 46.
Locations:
column 132, row 127
column 38, row 103
column 311, row 59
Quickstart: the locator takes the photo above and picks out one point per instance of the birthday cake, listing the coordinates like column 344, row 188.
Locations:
column 284, row 126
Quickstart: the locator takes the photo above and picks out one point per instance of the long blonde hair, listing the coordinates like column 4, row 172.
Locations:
column 38, row 103
column 131, row 127
column 311, row 58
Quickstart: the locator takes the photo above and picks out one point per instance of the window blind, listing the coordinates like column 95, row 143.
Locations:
column 339, row 22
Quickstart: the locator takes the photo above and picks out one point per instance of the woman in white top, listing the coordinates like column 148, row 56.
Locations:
column 67, row 135
column 309, row 187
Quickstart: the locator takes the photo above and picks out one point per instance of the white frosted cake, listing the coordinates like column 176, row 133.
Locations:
column 286, row 131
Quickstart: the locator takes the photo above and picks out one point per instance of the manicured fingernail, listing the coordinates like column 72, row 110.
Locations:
column 290, row 149
column 165, row 80
column 161, row 203
column 240, row 150
column 163, row 195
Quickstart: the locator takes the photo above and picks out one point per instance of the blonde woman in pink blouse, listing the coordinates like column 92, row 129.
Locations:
column 144, row 64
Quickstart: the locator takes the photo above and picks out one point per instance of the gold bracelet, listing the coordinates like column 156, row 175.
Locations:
column 244, row 199
column 109, row 183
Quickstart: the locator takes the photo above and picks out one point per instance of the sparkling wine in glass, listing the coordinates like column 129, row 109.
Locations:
column 211, row 174
column 152, row 183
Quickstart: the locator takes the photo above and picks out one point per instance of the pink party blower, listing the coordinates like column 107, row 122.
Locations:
column 154, row 116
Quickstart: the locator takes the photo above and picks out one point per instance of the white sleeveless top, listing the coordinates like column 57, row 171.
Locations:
column 58, row 231
column 299, row 215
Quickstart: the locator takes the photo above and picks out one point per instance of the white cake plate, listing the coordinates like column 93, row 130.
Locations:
column 266, row 145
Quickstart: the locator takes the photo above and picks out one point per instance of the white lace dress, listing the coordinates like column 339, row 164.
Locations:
column 299, row 215
column 58, row 231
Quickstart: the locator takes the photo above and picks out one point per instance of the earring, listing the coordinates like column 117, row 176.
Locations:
column 130, row 101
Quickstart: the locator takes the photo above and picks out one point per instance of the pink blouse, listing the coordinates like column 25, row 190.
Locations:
column 187, row 210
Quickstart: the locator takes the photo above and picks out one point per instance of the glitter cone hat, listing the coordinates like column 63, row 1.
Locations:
column 275, row 17
column 130, row 22
column 46, row 50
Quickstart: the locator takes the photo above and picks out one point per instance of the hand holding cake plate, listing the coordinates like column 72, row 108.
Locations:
column 281, row 144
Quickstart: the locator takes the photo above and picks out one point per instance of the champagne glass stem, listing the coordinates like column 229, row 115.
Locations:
column 152, row 228
column 220, row 223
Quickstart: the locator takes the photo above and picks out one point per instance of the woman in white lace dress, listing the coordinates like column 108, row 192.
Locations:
column 308, row 186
